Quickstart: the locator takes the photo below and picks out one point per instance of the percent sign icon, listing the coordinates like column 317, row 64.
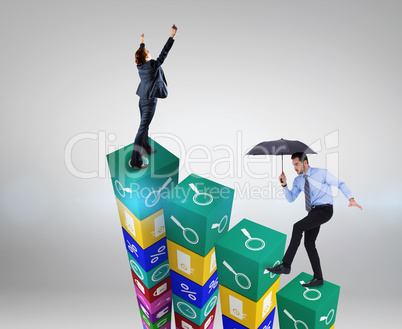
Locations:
column 191, row 294
column 160, row 253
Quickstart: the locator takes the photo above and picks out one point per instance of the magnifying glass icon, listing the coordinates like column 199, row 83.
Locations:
column 329, row 317
column 222, row 224
column 259, row 243
column 153, row 197
column 239, row 275
column 311, row 294
column 202, row 199
column 121, row 189
column 298, row 324
column 186, row 232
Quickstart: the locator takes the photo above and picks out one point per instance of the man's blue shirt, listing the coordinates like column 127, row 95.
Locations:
column 320, row 181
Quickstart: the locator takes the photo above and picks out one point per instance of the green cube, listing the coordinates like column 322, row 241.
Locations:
column 153, row 276
column 142, row 190
column 197, row 213
column 243, row 254
column 312, row 308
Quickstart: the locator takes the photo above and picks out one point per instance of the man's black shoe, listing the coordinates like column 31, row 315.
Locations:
column 141, row 166
column 314, row 282
column 279, row 269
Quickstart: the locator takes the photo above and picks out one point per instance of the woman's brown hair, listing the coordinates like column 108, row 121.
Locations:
column 141, row 56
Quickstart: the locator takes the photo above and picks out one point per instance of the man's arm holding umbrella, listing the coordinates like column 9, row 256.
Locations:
column 292, row 194
column 332, row 180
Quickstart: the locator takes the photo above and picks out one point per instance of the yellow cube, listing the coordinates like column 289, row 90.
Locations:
column 145, row 232
column 333, row 326
column 191, row 265
column 246, row 311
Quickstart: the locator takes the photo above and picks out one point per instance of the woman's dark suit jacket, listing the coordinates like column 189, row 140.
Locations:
column 149, row 71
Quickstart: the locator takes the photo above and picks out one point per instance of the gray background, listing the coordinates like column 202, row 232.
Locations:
column 262, row 69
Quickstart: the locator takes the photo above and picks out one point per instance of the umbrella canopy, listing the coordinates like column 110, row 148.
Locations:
column 280, row 147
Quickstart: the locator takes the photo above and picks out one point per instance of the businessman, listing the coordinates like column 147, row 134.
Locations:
column 316, row 184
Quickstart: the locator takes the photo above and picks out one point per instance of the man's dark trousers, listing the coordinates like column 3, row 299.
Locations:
column 310, row 225
column 147, row 111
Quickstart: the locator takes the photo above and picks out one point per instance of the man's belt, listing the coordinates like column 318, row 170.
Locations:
column 321, row 206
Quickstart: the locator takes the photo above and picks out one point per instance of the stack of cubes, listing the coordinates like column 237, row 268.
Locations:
column 139, row 195
column 307, row 308
column 197, row 213
column 247, row 290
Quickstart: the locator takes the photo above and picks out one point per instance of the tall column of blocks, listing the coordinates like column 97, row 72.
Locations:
column 307, row 308
column 197, row 213
column 139, row 195
column 247, row 291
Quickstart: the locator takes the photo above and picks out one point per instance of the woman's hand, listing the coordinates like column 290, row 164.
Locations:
column 142, row 37
column 174, row 31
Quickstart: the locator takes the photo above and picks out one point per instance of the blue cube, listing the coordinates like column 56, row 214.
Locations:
column 147, row 258
column 191, row 291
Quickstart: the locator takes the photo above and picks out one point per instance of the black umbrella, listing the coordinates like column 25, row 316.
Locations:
column 280, row 147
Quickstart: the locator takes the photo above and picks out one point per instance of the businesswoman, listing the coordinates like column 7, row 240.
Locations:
column 149, row 70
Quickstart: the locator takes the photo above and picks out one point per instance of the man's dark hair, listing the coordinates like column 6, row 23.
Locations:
column 302, row 156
